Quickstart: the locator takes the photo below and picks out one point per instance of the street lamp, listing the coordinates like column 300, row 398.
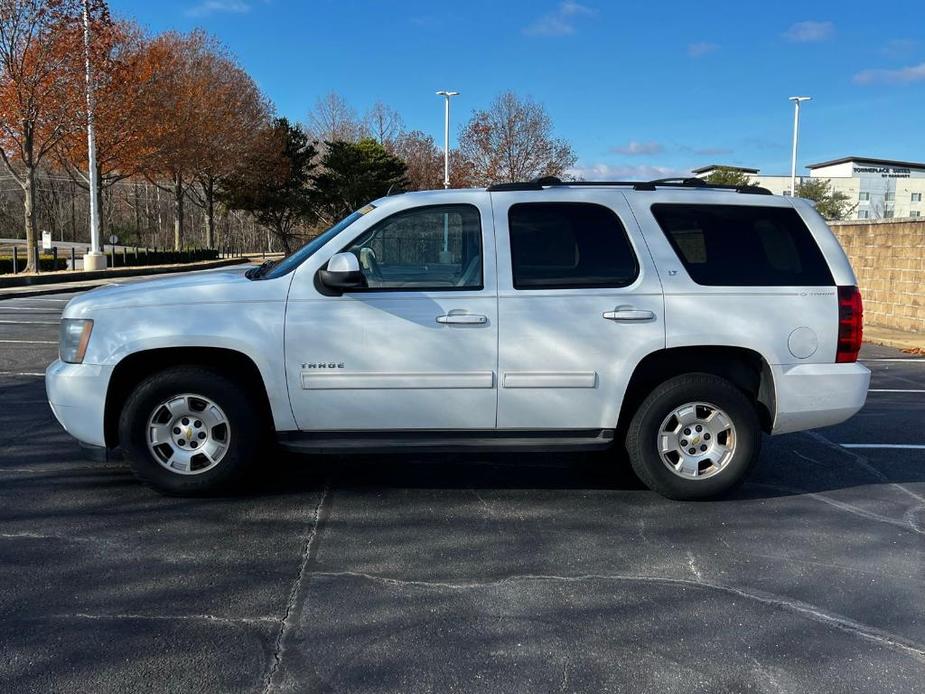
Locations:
column 797, row 100
column 446, row 135
column 94, row 260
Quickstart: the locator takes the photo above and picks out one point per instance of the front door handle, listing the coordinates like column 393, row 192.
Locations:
column 629, row 315
column 463, row 319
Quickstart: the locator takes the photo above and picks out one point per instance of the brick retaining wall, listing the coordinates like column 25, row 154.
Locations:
column 888, row 257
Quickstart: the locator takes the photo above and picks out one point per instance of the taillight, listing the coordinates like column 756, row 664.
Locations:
column 850, row 324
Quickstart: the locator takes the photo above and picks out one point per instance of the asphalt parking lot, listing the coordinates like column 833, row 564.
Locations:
column 462, row 573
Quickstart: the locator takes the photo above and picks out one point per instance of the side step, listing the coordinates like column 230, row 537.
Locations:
column 444, row 441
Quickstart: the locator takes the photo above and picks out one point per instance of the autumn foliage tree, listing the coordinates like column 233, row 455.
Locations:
column 204, row 111
column 238, row 113
column 40, row 51
column 123, row 82
column 512, row 140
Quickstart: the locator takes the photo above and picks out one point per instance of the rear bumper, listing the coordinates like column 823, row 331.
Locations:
column 817, row 395
column 77, row 395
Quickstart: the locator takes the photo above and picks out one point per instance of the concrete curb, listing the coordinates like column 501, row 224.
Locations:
column 57, row 283
column 889, row 337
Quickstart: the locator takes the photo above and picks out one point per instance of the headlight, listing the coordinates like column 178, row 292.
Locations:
column 75, row 335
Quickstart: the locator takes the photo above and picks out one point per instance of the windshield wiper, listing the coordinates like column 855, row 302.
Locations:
column 259, row 271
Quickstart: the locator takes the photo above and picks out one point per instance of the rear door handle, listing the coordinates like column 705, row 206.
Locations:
column 629, row 315
column 463, row 319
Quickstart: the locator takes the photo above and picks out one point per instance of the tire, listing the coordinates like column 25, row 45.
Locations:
column 656, row 432
column 228, row 450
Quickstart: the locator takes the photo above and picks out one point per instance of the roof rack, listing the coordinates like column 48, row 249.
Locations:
column 690, row 183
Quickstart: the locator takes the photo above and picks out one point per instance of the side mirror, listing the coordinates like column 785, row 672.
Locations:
column 342, row 273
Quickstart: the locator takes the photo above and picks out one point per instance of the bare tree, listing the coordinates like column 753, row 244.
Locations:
column 512, row 140
column 422, row 157
column 333, row 119
column 383, row 123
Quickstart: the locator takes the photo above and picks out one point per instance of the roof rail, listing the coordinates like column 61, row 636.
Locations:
column 690, row 183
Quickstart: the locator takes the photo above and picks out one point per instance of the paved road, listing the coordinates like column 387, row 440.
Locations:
column 462, row 573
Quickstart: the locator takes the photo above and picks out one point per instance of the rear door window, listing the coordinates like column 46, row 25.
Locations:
column 743, row 245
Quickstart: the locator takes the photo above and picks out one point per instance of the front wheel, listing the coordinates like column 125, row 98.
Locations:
column 695, row 436
column 188, row 431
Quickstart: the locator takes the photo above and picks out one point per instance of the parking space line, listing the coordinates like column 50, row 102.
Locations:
column 896, row 390
column 48, row 309
column 21, row 373
column 909, row 446
column 30, row 342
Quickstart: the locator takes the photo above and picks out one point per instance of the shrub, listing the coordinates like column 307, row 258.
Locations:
column 46, row 263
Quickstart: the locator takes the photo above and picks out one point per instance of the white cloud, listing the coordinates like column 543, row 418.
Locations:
column 809, row 32
column 207, row 7
column 904, row 75
column 609, row 172
column 635, row 149
column 701, row 48
column 561, row 22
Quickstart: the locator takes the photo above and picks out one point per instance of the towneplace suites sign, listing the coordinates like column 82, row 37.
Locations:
column 884, row 171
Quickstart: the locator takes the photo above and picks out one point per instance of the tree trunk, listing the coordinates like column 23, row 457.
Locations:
column 29, row 219
column 283, row 236
column 208, row 192
column 137, row 210
column 104, row 213
column 178, row 212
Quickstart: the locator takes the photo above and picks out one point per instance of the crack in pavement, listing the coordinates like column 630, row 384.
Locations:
column 864, row 463
column 164, row 617
column 907, row 523
column 693, row 566
column 285, row 623
column 806, row 610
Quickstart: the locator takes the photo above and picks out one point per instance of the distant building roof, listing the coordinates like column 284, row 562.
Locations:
column 712, row 167
column 869, row 160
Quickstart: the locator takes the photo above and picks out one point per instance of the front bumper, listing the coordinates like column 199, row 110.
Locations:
column 810, row 396
column 77, row 395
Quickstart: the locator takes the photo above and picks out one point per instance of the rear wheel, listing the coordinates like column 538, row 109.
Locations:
column 189, row 430
column 696, row 436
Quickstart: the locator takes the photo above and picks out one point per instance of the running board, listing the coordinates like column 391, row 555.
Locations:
column 445, row 441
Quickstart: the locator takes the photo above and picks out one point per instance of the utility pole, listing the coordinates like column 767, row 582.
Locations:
column 797, row 100
column 94, row 260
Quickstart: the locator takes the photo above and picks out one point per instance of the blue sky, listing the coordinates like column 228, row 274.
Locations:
column 640, row 89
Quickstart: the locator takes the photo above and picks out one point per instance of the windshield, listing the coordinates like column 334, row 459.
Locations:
column 292, row 261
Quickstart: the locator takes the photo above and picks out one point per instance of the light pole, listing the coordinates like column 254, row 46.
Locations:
column 797, row 100
column 446, row 135
column 94, row 260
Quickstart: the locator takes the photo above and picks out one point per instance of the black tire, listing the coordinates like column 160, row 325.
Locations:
column 643, row 432
column 246, row 425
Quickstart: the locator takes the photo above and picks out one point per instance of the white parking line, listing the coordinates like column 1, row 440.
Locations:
column 896, row 390
column 20, row 373
column 30, row 342
column 48, row 309
column 909, row 446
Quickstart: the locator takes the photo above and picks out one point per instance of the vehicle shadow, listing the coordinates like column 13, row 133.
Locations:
column 789, row 465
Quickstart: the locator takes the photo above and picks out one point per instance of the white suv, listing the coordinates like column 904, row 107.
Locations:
column 677, row 320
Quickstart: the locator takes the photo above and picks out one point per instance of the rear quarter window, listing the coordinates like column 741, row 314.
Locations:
column 740, row 246
column 569, row 245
